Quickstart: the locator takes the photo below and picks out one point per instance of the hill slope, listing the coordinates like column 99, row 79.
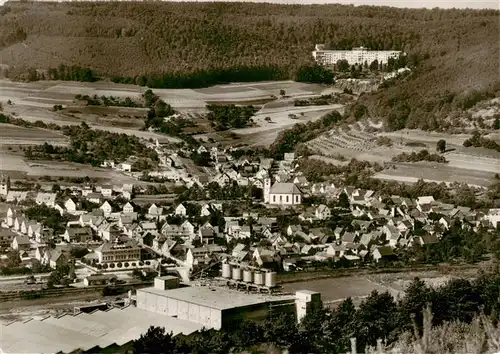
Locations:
column 454, row 50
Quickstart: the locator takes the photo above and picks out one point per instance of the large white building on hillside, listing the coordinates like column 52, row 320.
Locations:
column 358, row 55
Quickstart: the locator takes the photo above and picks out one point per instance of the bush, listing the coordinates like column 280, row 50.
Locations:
column 119, row 264
column 105, row 266
column 134, row 264
column 112, row 265
column 126, row 264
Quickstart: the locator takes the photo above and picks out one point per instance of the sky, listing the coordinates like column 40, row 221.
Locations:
column 475, row 4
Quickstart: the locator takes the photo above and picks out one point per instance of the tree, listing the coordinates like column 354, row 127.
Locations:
column 496, row 123
column 343, row 65
column 344, row 201
column 155, row 341
column 441, row 146
column 56, row 188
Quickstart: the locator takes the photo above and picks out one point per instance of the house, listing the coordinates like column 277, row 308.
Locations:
column 57, row 258
column 94, row 197
column 493, row 216
column 128, row 208
column 109, row 232
column 16, row 196
column 293, row 229
column 206, row 235
column 18, row 223
column 322, row 212
column 127, row 251
column 266, row 258
column 285, row 194
column 99, row 279
column 11, row 217
column 49, row 199
column 383, row 253
column 125, row 167
column 6, row 237
column 206, row 210
column 78, row 234
column 86, row 190
column 126, row 219
column 301, row 181
column 106, row 208
column 289, row 156
column 148, row 226
column 154, row 212
column 43, row 235
column 20, row 243
column 180, row 210
column 203, row 255
column 70, row 206
column 107, row 191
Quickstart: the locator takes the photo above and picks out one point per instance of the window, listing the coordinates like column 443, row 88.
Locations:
column 274, row 198
column 287, row 199
column 296, row 199
column 281, row 198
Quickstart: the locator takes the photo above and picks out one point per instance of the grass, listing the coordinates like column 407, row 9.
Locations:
column 481, row 336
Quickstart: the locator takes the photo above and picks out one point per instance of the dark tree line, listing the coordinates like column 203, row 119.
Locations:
column 379, row 316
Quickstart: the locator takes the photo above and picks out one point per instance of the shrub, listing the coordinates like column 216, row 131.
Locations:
column 134, row 264
column 119, row 264
column 126, row 264
column 105, row 266
column 112, row 265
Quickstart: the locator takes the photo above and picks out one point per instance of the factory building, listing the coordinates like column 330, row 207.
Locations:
column 167, row 304
column 358, row 55
column 220, row 307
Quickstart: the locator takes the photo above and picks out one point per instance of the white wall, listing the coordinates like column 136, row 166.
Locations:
column 292, row 199
column 206, row 316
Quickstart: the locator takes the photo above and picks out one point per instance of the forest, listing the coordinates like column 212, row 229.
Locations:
column 173, row 44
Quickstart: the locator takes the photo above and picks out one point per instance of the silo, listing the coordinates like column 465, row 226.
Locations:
column 236, row 273
column 258, row 278
column 247, row 276
column 271, row 279
column 226, row 270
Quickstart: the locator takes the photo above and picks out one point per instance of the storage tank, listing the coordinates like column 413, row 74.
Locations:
column 226, row 270
column 247, row 276
column 236, row 273
column 258, row 278
column 271, row 279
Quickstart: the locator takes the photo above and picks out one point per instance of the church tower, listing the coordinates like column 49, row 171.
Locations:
column 267, row 189
column 4, row 185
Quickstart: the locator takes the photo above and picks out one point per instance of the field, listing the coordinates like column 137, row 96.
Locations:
column 474, row 166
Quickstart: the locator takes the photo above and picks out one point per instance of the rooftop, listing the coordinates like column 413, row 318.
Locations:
column 85, row 331
column 284, row 188
column 215, row 297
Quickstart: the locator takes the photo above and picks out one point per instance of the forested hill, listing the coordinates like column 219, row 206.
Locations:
column 455, row 50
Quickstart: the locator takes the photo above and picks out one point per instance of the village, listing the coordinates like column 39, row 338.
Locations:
column 273, row 225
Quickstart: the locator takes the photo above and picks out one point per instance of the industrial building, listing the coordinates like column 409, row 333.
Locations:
column 86, row 331
column 358, row 55
column 212, row 306
column 169, row 304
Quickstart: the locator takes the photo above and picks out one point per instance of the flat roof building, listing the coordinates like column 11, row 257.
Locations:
column 211, row 307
